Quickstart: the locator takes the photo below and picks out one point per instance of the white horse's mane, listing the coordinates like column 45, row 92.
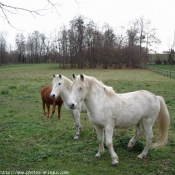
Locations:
column 109, row 90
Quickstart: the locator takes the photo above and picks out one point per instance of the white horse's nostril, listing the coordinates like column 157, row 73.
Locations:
column 71, row 105
column 52, row 96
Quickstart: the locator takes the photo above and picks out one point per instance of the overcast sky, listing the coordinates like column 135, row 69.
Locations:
column 114, row 12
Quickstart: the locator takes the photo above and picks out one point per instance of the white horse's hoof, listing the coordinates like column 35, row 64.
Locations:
column 114, row 164
column 97, row 155
column 141, row 156
column 76, row 138
column 130, row 148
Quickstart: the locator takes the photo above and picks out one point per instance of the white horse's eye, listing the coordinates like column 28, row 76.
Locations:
column 59, row 83
column 80, row 88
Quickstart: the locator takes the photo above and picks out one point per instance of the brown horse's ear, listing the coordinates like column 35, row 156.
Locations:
column 73, row 76
column 60, row 76
column 82, row 77
column 54, row 75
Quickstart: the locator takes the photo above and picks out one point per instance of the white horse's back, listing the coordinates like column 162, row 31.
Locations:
column 130, row 108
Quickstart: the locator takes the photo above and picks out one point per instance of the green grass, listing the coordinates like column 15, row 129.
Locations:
column 30, row 142
column 166, row 67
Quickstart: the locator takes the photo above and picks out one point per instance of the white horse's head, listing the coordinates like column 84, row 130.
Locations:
column 79, row 91
column 57, row 86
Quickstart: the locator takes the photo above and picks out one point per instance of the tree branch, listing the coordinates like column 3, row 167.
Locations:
column 19, row 8
column 8, row 9
column 6, row 18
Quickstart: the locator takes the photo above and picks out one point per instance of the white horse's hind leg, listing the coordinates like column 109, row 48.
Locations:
column 149, row 138
column 109, row 143
column 139, row 132
column 100, row 137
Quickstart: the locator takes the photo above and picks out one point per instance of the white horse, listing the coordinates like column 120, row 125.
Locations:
column 62, row 86
column 107, row 110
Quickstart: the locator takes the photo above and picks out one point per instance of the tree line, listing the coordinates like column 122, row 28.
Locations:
column 84, row 44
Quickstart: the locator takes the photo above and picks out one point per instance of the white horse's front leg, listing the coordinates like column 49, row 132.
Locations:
column 76, row 115
column 109, row 134
column 100, row 137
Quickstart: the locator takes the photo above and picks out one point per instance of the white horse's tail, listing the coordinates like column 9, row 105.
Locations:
column 163, row 124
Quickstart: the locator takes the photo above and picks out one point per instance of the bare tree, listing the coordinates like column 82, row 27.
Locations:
column 3, row 47
column 85, row 44
column 109, row 46
column 97, row 48
column 30, row 48
column 89, row 44
column 142, row 35
column 132, row 50
column 72, row 47
column 7, row 10
column 132, row 35
column 120, row 44
column 78, row 27
column 64, row 47
column 20, row 42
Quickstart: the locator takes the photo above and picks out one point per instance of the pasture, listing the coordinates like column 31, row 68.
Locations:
column 31, row 142
column 166, row 67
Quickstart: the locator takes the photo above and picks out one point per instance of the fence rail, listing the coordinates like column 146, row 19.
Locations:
column 164, row 72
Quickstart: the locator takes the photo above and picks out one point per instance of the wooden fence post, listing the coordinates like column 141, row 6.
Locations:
column 167, row 73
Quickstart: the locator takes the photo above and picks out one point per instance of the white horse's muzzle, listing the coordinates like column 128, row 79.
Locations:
column 72, row 105
column 52, row 96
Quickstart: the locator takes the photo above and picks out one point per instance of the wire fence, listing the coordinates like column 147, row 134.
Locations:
column 164, row 72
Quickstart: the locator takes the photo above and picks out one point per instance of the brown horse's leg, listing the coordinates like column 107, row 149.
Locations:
column 53, row 109
column 48, row 110
column 59, row 111
column 44, row 108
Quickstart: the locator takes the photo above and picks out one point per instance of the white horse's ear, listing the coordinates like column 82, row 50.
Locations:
column 60, row 76
column 54, row 75
column 82, row 77
column 73, row 76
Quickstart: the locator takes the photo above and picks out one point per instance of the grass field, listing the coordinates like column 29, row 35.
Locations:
column 30, row 143
column 167, row 67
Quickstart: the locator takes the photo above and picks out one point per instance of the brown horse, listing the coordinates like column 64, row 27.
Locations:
column 45, row 96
